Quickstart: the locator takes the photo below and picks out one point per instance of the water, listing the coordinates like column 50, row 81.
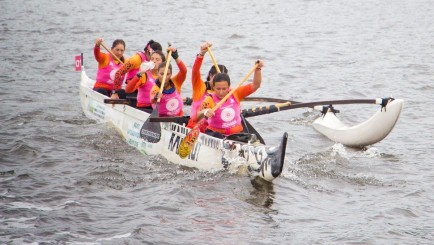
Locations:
column 67, row 180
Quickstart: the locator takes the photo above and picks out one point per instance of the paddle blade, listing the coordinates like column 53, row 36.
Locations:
column 187, row 144
column 151, row 131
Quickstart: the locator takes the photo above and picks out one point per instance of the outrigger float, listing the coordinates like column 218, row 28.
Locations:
column 369, row 132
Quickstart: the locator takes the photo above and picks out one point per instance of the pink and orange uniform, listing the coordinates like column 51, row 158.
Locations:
column 227, row 118
column 107, row 67
column 144, row 84
column 171, row 102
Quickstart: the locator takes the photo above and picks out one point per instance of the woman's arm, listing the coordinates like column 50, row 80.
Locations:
column 199, row 87
column 179, row 78
column 100, row 57
column 205, row 108
column 138, row 80
column 257, row 76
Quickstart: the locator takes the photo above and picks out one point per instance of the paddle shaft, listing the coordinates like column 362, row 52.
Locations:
column 213, row 60
column 114, row 56
column 261, row 110
column 166, row 68
column 233, row 90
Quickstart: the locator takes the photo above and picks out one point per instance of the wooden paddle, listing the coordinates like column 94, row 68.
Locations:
column 213, row 60
column 187, row 144
column 114, row 56
column 261, row 110
column 150, row 131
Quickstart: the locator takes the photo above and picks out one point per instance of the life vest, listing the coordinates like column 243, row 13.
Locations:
column 105, row 76
column 143, row 93
column 133, row 72
column 171, row 103
column 227, row 118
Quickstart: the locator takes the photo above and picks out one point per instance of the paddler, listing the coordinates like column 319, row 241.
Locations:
column 200, row 88
column 108, row 65
column 171, row 101
column 226, row 120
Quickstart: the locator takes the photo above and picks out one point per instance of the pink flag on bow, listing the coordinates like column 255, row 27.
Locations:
column 78, row 63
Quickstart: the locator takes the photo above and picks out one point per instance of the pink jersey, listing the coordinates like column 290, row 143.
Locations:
column 227, row 115
column 170, row 104
column 145, row 90
column 106, row 75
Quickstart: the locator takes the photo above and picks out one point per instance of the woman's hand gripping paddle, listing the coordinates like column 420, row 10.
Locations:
column 213, row 60
column 151, row 131
column 187, row 144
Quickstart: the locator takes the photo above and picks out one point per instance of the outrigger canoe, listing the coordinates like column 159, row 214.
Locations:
column 208, row 154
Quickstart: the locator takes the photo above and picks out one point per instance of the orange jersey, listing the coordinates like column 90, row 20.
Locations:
column 132, row 63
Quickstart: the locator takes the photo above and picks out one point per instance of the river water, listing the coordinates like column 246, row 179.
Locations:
column 68, row 180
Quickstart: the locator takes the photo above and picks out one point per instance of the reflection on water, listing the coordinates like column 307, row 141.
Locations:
column 263, row 193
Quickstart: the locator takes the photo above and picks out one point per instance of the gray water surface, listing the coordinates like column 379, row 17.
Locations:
column 65, row 179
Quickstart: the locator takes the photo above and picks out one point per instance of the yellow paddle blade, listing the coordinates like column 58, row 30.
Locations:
column 184, row 149
column 187, row 144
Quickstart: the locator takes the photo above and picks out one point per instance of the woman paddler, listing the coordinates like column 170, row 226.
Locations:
column 226, row 120
column 107, row 65
column 200, row 88
column 171, row 101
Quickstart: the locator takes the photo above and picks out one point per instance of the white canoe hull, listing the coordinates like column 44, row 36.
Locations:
column 367, row 133
column 209, row 153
